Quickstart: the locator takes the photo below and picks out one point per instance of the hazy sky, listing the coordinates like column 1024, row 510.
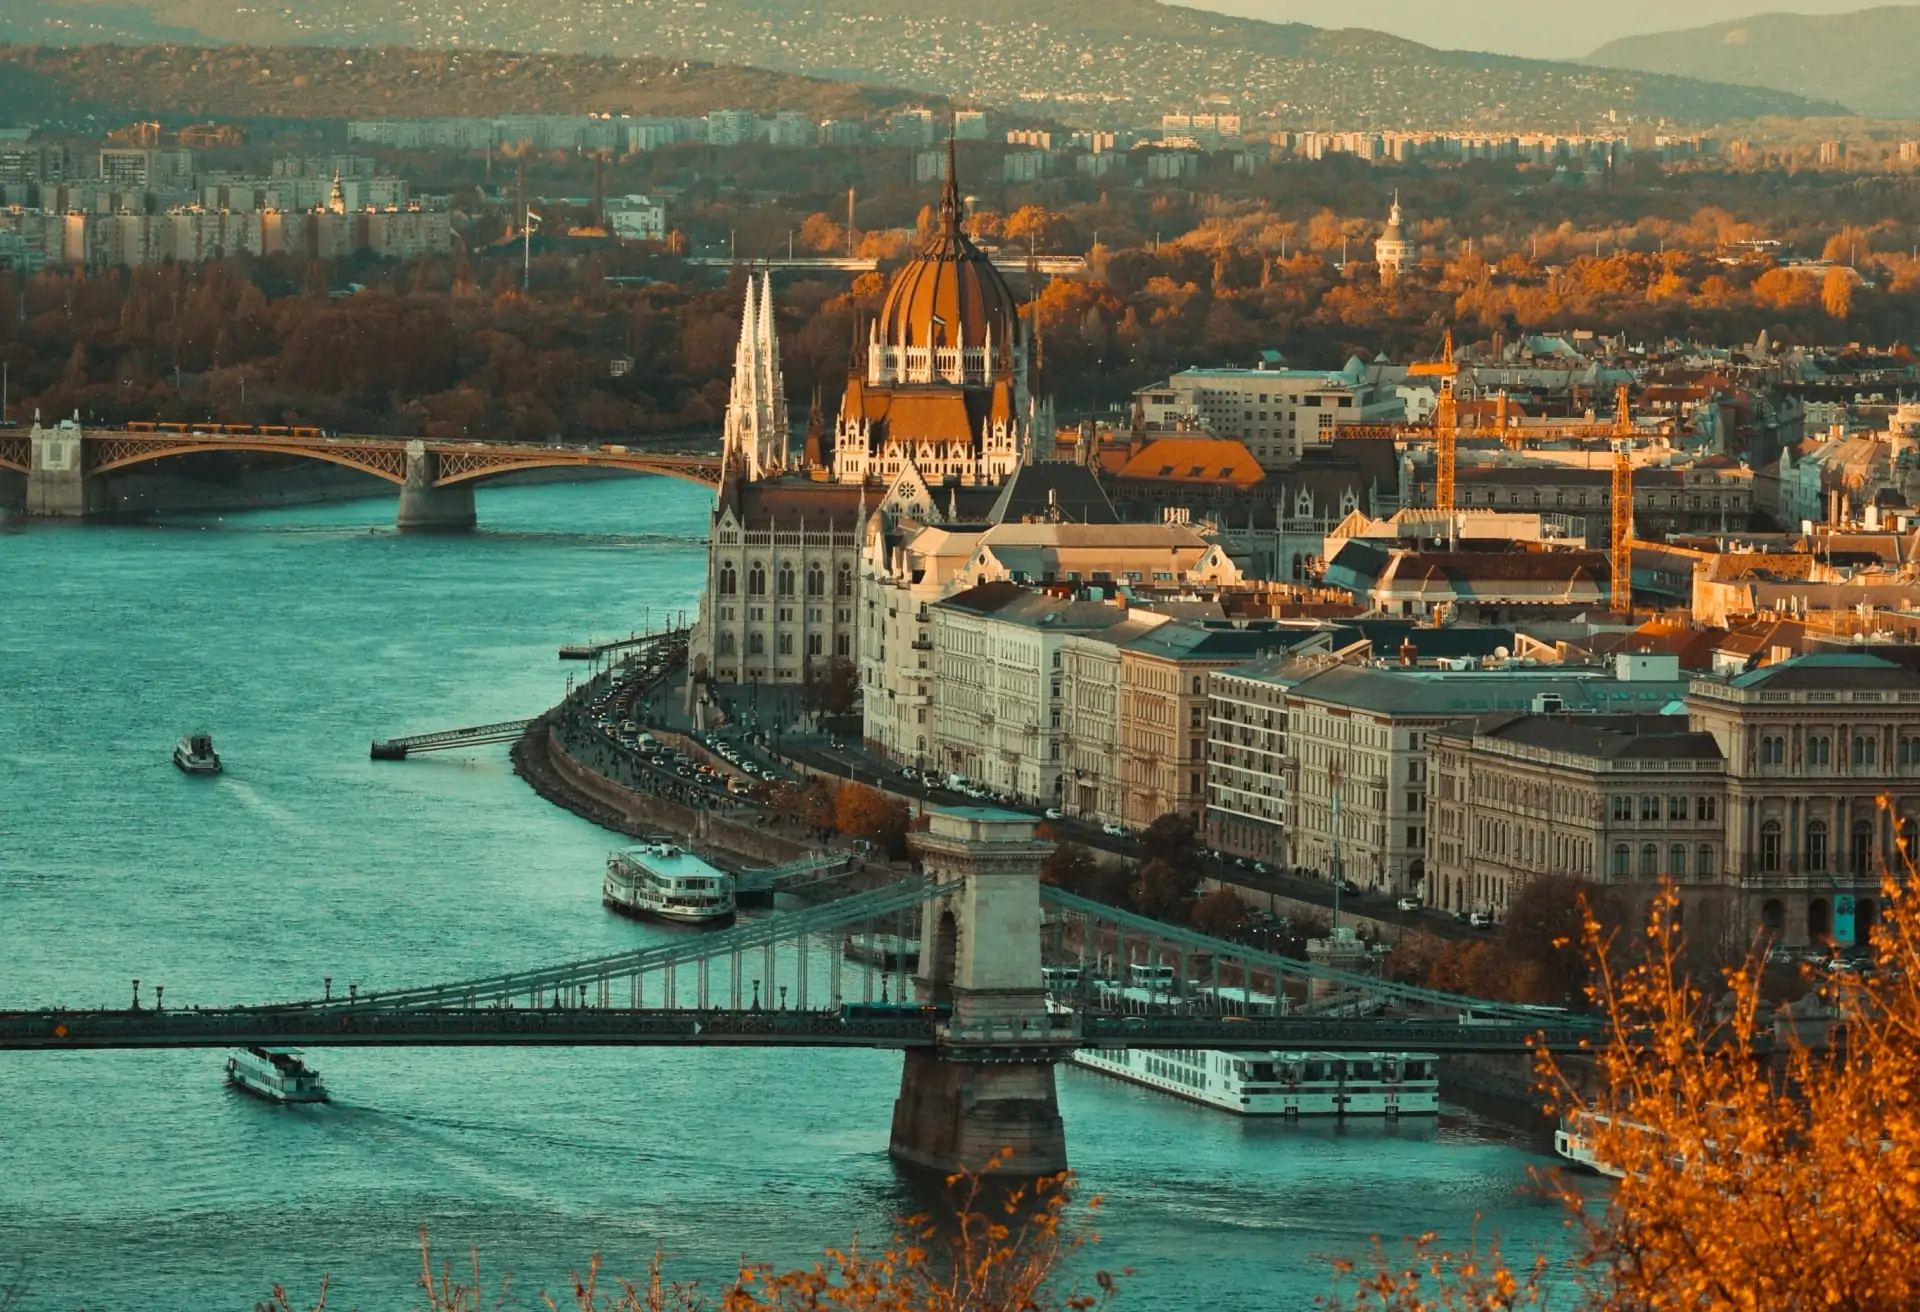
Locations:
column 1547, row 29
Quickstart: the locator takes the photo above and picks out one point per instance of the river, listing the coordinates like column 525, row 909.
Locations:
column 139, row 1181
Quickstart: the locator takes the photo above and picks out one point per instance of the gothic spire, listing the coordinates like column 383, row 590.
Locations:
column 950, row 196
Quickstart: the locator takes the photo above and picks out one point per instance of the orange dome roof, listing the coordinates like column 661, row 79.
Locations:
column 950, row 294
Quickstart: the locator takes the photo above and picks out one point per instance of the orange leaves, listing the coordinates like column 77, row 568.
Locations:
column 1759, row 1174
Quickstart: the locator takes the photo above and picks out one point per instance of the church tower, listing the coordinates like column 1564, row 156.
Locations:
column 754, row 441
column 1393, row 251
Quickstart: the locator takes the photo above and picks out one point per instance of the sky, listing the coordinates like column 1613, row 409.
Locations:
column 1543, row 29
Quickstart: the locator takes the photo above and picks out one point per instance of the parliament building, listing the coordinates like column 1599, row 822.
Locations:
column 938, row 398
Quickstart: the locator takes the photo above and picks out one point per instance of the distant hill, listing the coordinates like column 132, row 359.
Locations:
column 320, row 82
column 1116, row 60
column 1870, row 59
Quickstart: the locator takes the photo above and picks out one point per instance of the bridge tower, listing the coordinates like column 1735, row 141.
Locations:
column 425, row 508
column 57, row 482
column 989, row 1085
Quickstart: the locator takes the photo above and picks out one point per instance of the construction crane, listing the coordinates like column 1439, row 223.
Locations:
column 1445, row 420
column 1621, row 562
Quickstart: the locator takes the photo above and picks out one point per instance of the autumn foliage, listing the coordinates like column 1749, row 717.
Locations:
column 1762, row 1172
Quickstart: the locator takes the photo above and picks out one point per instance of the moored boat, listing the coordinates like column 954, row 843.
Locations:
column 276, row 1074
column 1292, row 1084
column 663, row 881
column 194, row 754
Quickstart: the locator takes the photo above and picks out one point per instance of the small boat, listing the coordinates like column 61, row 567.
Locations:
column 663, row 881
column 276, row 1074
column 194, row 754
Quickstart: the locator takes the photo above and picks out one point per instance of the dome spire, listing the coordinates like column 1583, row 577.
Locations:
column 950, row 195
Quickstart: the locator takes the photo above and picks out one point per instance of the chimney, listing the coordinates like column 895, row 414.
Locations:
column 1409, row 654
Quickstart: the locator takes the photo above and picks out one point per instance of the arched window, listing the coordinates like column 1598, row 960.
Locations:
column 1817, row 845
column 1770, row 845
column 1705, row 868
column 729, row 580
column 1650, row 861
column 726, row 644
column 756, row 644
column 1819, row 750
column 816, row 581
column 756, row 580
column 1866, row 750
column 843, row 586
column 1677, row 861
column 1860, row 847
column 786, row 580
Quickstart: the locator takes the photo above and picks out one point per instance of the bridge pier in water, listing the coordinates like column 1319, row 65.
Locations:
column 989, row 1085
column 425, row 508
column 57, row 482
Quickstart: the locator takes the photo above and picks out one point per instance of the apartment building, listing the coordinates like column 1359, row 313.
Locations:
column 1162, row 729
column 1276, row 413
column 998, row 690
column 1612, row 799
column 1093, row 789
column 1246, row 749
column 1357, row 743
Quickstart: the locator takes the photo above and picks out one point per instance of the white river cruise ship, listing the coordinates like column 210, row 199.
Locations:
column 662, row 881
column 1274, row 1083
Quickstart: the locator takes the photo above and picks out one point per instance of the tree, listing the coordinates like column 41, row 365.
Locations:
column 1171, row 839
column 1069, row 866
column 1162, row 889
column 1836, row 292
column 1745, row 1185
column 1075, row 869
column 863, row 812
column 1221, row 913
column 832, row 690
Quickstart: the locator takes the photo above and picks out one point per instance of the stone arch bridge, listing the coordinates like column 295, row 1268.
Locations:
column 66, row 464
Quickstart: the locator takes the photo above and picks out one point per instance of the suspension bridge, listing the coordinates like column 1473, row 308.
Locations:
column 982, row 1020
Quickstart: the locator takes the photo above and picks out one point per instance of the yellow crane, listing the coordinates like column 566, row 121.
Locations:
column 1621, row 562
column 1445, row 420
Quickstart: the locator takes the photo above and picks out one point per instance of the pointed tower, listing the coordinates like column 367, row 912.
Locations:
column 777, row 432
column 1392, row 252
column 753, row 443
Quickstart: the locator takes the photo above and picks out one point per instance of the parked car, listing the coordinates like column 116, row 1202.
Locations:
column 1480, row 920
column 1113, row 831
column 1260, row 868
column 1054, row 813
column 1350, row 888
column 1408, row 904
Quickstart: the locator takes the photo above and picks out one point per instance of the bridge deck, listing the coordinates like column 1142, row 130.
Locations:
column 361, row 1026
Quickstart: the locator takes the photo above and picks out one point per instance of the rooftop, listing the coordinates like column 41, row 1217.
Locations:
column 1461, row 693
column 1604, row 737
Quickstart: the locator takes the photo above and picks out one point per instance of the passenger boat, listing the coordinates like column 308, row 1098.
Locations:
column 1389, row 1084
column 1274, row 1083
column 276, row 1074
column 663, row 881
column 194, row 754
column 1573, row 1141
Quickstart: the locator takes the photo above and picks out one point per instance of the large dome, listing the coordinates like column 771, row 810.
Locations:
column 950, row 294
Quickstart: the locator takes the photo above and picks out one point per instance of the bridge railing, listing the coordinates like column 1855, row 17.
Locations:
column 594, row 973
column 1338, row 989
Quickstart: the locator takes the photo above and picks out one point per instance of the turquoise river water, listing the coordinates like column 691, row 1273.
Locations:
column 137, row 1181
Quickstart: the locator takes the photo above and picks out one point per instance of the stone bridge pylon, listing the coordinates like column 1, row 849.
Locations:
column 988, row 1085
